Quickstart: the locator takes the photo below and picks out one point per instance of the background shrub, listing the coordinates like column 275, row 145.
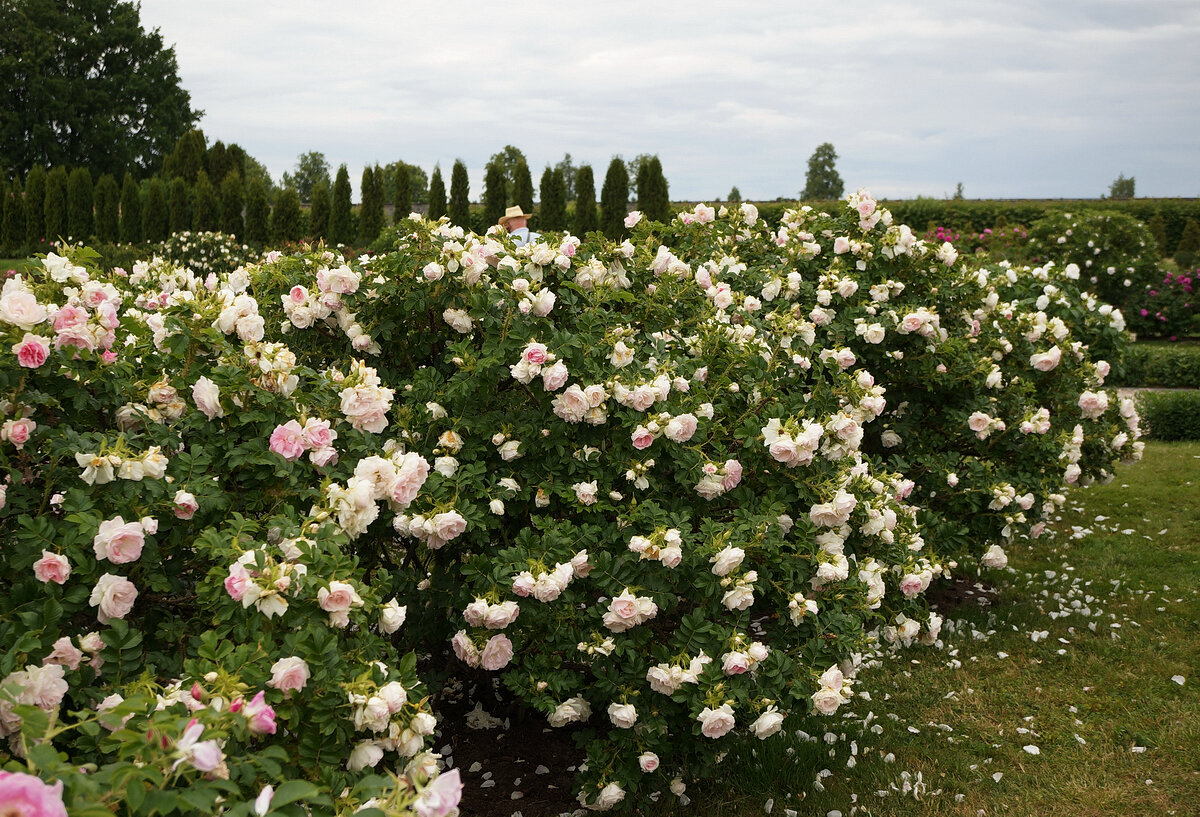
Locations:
column 1170, row 415
column 1158, row 365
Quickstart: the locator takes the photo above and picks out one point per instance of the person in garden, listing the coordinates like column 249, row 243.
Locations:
column 516, row 221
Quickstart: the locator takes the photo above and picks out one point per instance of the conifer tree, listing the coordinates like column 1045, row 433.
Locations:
column 286, row 218
column 156, row 218
column 108, row 209
column 437, row 195
column 206, row 209
column 553, row 212
column 370, row 214
column 523, row 187
column 187, row 158
column 402, row 194
column 495, row 196
column 614, row 199
column 659, row 203
column 54, row 207
column 460, row 203
column 232, row 203
column 12, row 229
column 319, row 212
column 178, row 206
column 79, row 204
column 4, row 191
column 642, row 189
column 35, row 199
column 1189, row 244
column 586, row 218
column 341, row 226
column 1158, row 229
column 131, row 211
column 258, row 211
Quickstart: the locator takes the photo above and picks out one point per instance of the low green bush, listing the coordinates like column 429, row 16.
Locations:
column 1170, row 415
column 1161, row 366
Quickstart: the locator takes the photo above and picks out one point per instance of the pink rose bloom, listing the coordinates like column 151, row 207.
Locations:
column 32, row 351
column 715, row 723
column 338, row 597
column 735, row 663
column 496, row 653
column 476, row 613
column 648, row 761
column 52, row 567
column 523, row 584
column 65, row 654
column 23, row 795
column 642, row 438
column 448, row 525
column 680, row 429
column 317, row 433
column 978, row 421
column 465, row 649
column 207, row 396
column 237, row 582
column 534, row 353
column 555, row 377
column 287, row 440
column 841, row 244
column 910, row 585
column 18, row 431
column 1046, row 361
column 321, row 457
column 733, row 475
column 114, row 595
column 298, row 295
column 119, row 541
column 440, row 797
column 70, row 317
column 632, row 219
column 185, row 505
column 289, row 674
column 260, row 715
column 411, row 474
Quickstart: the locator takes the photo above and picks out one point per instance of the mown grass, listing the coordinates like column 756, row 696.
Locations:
column 1115, row 590
column 15, row 264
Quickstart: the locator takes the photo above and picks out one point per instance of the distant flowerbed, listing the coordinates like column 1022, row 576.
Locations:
column 668, row 490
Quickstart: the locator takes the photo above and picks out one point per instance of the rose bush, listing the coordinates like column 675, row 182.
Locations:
column 668, row 490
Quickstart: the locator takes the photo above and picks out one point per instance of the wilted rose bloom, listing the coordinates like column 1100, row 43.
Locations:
column 52, row 567
column 623, row 716
column 995, row 558
column 289, row 674
column 570, row 711
column 767, row 724
column 715, row 723
column 23, row 795
column 465, row 649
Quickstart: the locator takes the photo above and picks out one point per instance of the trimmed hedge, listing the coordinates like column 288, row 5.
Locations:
column 1152, row 365
column 1170, row 415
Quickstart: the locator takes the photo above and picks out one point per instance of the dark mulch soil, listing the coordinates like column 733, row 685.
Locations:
column 509, row 758
column 947, row 597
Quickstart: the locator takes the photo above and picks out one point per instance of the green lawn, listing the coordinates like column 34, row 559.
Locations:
column 1112, row 600
column 15, row 263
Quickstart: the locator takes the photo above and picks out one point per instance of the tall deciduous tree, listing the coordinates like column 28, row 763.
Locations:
column 178, row 205
column 131, row 211
column 156, row 218
column 206, row 207
column 495, row 196
column 311, row 169
column 54, row 208
column 437, row 194
column 552, row 214
column 108, row 209
column 35, row 198
column 341, row 225
column 286, row 218
column 460, row 196
column 79, row 204
column 258, row 211
column 614, row 199
column 370, row 214
column 823, row 182
column 85, row 84
column 586, row 218
column 319, row 211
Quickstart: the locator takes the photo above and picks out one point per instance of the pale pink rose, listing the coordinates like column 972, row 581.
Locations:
column 32, row 351
column 623, row 716
column 465, row 649
column 476, row 612
column 237, row 582
column 632, row 219
column 448, row 525
column 572, row 405
column 64, row 653
column 22, row 309
column 52, row 567
column 23, row 795
column 767, row 724
column 1046, row 361
column 995, row 558
column 642, row 438
column 289, row 674
column 735, row 663
column 114, row 596
column 496, row 653
column 317, row 433
column 185, row 505
column 321, row 457
column 624, row 606
column 338, row 597
column 910, row 585
column 119, row 541
column 523, row 584
column 733, row 475
column 555, row 377
column 411, row 474
column 670, row 556
column 826, row 700
column 287, row 440
column 648, row 762
column 440, row 797
column 18, row 431
column 298, row 295
column 207, row 396
column 681, row 428
column 499, row 616
column 260, row 715
column 585, row 492
column 715, row 723
column 841, row 244
column 978, row 421
column 534, row 353
column 704, row 277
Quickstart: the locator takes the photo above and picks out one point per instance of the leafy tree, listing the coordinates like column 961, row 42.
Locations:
column 553, row 213
column 823, row 181
column 54, row 208
column 258, row 211
column 232, row 203
column 86, row 85
column 1122, row 188
column 460, row 203
column 35, row 200
column 735, row 195
column 156, row 218
column 311, row 169
column 522, row 189
column 131, row 210
column 1189, row 244
column 495, row 197
column 206, row 208
column 254, row 169
column 418, row 183
column 437, row 194
column 187, row 158
column 958, row 192
column 370, row 214
column 286, row 219
column 586, row 218
column 614, row 199
column 341, row 226
column 566, row 167
column 402, row 187
column 12, row 228
column 319, row 212
column 634, row 166
column 108, row 209
column 509, row 160
column 178, row 205
column 79, row 204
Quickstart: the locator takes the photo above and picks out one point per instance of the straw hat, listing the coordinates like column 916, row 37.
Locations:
column 510, row 214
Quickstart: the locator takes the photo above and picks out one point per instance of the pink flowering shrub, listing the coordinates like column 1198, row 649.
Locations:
column 1169, row 309
column 668, row 491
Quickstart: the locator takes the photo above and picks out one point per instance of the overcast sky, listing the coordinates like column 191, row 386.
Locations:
column 1013, row 98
